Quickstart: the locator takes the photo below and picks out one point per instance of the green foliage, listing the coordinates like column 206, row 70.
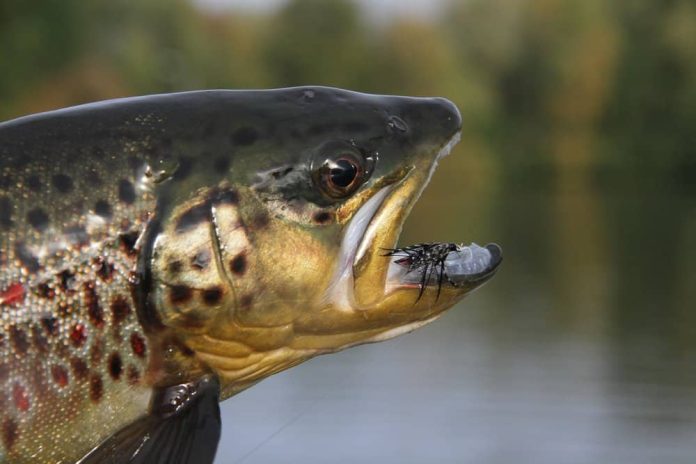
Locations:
column 575, row 83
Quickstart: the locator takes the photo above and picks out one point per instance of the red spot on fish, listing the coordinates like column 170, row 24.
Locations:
column 10, row 433
column 78, row 334
column 60, row 375
column 138, row 345
column 20, row 397
column 14, row 293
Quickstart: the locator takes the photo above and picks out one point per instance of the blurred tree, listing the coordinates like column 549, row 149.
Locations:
column 37, row 38
column 319, row 42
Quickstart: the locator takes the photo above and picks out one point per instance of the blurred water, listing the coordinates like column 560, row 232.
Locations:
column 581, row 350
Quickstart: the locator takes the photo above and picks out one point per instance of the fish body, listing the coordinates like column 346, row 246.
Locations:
column 161, row 253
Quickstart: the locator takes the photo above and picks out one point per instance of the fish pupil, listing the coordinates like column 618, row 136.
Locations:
column 343, row 173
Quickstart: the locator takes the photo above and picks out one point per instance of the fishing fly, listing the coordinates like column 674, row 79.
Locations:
column 426, row 257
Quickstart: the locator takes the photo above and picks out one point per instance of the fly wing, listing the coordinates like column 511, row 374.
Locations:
column 183, row 427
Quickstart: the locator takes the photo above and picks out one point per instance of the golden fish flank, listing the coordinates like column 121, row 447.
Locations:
column 186, row 246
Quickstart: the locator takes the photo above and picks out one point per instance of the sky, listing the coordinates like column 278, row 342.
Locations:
column 378, row 9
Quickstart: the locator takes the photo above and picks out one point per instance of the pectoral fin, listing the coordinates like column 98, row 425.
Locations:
column 183, row 427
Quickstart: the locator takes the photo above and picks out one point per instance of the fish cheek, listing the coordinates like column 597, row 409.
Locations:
column 190, row 284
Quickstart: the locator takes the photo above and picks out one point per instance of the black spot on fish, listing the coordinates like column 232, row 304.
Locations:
column 62, row 183
column 180, row 294
column 50, row 325
column 104, row 268
column 45, row 291
column 212, row 295
column 94, row 309
column 120, row 309
column 245, row 136
column 322, row 217
column 67, row 281
column 174, row 267
column 28, row 260
column 126, row 191
column 128, row 242
column 238, row 264
column 38, row 219
column 103, row 208
column 192, row 217
column 5, row 213
column 260, row 221
column 34, row 183
column 115, row 366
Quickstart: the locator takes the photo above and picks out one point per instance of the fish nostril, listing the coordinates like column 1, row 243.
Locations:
column 396, row 124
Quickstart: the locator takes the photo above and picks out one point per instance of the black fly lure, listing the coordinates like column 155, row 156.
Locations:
column 426, row 257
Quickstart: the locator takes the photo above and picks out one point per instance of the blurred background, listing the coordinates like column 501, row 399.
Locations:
column 578, row 156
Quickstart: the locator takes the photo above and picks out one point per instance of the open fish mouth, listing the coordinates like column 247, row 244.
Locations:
column 371, row 266
column 438, row 264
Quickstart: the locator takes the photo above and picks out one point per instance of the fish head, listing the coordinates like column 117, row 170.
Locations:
column 306, row 248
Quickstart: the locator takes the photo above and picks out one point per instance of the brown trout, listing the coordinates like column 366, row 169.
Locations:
column 160, row 254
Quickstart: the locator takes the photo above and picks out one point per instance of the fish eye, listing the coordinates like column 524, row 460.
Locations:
column 340, row 175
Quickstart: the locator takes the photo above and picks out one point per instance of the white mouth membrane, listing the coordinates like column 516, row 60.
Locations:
column 340, row 290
